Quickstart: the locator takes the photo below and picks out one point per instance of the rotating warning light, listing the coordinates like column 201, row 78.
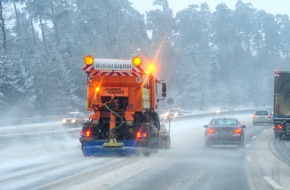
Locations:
column 89, row 60
column 97, row 89
column 151, row 68
column 137, row 61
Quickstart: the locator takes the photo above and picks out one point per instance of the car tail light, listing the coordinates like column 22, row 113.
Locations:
column 269, row 116
column 210, row 130
column 238, row 130
column 254, row 116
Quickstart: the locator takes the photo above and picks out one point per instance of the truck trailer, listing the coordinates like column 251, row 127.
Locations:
column 122, row 97
column 281, row 116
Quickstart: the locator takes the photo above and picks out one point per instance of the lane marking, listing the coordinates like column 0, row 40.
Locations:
column 248, row 145
column 249, row 159
column 272, row 182
column 265, row 130
column 254, row 137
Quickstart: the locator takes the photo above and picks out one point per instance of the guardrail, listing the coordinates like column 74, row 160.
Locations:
column 210, row 114
column 30, row 120
column 74, row 130
column 232, row 112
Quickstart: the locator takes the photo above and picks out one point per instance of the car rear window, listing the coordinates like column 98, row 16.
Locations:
column 261, row 112
column 224, row 122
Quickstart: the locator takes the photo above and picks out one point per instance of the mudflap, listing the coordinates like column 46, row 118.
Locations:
column 96, row 148
column 164, row 141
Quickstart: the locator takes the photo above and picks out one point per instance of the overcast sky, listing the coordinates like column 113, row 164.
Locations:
column 271, row 6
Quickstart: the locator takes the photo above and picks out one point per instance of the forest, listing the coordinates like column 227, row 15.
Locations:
column 220, row 58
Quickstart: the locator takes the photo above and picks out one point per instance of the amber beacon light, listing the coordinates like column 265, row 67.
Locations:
column 89, row 60
column 137, row 61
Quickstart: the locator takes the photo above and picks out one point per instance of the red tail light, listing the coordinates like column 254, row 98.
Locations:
column 269, row 116
column 238, row 130
column 86, row 133
column 210, row 130
column 140, row 134
column 278, row 126
column 254, row 116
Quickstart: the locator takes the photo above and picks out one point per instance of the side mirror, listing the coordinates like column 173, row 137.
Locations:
column 243, row 126
column 163, row 89
column 205, row 126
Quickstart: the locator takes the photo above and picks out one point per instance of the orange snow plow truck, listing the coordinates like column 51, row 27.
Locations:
column 123, row 97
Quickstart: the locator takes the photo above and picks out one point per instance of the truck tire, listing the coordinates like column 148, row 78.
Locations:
column 168, row 144
column 147, row 153
column 281, row 136
column 155, row 147
column 278, row 136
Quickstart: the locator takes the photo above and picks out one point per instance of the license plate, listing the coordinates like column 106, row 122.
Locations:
column 223, row 132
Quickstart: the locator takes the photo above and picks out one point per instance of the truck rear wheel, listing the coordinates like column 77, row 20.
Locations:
column 147, row 153
column 278, row 136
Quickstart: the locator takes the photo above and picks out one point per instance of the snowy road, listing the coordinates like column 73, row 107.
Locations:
column 56, row 162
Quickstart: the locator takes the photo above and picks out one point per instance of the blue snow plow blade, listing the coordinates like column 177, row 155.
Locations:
column 97, row 148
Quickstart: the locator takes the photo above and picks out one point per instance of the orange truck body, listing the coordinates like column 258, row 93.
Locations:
column 123, row 99
column 134, row 84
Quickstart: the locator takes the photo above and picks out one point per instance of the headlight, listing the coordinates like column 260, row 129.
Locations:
column 176, row 114
column 64, row 121
column 73, row 120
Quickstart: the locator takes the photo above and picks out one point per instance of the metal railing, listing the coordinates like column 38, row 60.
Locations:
column 29, row 120
column 44, row 119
